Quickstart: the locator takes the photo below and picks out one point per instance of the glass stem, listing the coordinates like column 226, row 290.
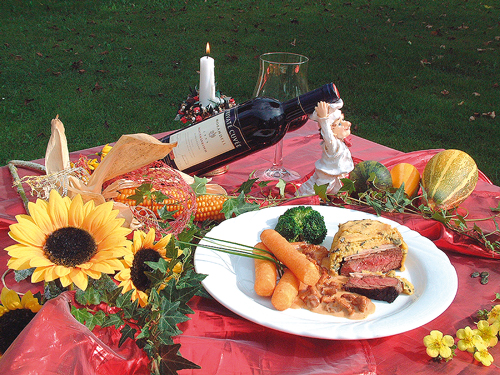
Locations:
column 278, row 156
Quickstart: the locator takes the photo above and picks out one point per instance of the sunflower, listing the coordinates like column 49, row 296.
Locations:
column 143, row 250
column 15, row 314
column 68, row 240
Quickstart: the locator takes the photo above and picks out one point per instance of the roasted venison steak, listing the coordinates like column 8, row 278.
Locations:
column 378, row 287
column 382, row 259
column 359, row 236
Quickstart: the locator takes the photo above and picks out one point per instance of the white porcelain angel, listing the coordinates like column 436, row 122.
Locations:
column 336, row 160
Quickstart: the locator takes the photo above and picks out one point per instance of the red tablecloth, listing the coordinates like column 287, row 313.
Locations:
column 224, row 343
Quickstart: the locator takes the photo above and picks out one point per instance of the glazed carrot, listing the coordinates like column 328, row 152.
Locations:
column 286, row 291
column 265, row 273
column 305, row 270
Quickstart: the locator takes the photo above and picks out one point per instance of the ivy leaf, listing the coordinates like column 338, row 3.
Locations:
column 165, row 214
column 170, row 317
column 81, row 315
column 96, row 319
column 20, row 275
column 320, row 191
column 113, row 320
column 199, row 185
column 438, row 216
column 171, row 361
column 127, row 332
column 375, row 204
column 143, row 191
column 246, row 186
column 88, row 297
column 347, row 186
column 238, row 206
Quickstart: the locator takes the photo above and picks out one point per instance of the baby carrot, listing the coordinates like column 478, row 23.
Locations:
column 286, row 291
column 265, row 273
column 305, row 270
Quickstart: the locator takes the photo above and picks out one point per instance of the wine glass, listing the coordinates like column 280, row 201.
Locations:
column 282, row 76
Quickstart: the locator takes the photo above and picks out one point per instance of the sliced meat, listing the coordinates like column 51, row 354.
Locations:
column 378, row 287
column 382, row 259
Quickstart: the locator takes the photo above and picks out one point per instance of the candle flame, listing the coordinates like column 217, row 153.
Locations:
column 208, row 48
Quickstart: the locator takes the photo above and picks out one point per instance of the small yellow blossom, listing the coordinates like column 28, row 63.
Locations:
column 92, row 163
column 494, row 314
column 439, row 345
column 468, row 340
column 488, row 332
column 484, row 357
column 105, row 150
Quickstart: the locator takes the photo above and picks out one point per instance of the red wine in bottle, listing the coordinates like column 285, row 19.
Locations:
column 240, row 131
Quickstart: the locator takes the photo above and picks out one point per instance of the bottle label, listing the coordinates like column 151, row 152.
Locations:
column 207, row 140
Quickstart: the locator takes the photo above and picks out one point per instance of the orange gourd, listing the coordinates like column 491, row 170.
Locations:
column 407, row 174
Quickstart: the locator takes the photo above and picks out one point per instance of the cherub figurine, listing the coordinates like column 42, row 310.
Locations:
column 336, row 160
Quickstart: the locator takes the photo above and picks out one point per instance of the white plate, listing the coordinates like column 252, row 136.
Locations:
column 230, row 281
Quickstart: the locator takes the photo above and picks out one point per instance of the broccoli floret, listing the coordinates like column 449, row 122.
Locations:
column 302, row 223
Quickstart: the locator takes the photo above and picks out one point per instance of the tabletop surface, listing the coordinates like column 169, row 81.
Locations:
column 222, row 342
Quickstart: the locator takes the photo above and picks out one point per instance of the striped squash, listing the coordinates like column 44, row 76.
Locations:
column 449, row 177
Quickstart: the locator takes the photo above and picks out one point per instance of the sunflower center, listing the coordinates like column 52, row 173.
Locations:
column 69, row 246
column 139, row 278
column 11, row 324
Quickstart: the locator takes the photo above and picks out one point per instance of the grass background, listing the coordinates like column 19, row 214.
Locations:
column 411, row 73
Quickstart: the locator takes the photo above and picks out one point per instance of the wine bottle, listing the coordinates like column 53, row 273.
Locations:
column 240, row 131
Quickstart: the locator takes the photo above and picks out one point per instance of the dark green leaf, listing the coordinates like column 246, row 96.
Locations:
column 170, row 317
column 171, row 361
column 246, row 186
column 113, row 320
column 347, row 186
column 127, row 332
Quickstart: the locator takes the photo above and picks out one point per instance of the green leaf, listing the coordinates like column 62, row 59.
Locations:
column 113, row 320
column 347, row 186
column 171, row 361
column 170, row 317
column 20, row 275
column 199, row 185
column 81, row 315
column 237, row 206
column 246, row 186
column 321, row 191
column 127, row 332
column 96, row 319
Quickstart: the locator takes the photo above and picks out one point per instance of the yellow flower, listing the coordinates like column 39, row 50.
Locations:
column 468, row 340
column 494, row 314
column 437, row 344
column 15, row 314
column 488, row 332
column 144, row 249
column 484, row 357
column 68, row 240
column 105, row 150
column 10, row 301
column 93, row 164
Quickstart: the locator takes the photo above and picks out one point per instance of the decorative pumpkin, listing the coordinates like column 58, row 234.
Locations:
column 404, row 173
column 449, row 177
column 370, row 174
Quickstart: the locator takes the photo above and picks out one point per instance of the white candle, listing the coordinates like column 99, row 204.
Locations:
column 207, row 81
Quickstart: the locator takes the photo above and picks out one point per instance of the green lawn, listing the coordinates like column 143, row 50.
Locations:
column 412, row 74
